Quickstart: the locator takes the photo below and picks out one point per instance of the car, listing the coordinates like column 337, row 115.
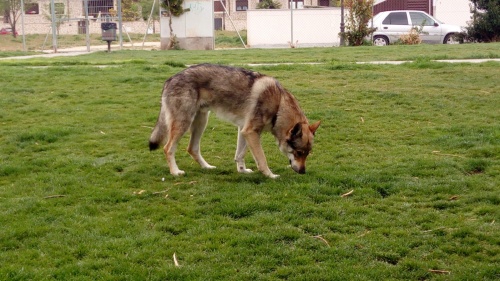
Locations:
column 390, row 25
column 6, row 30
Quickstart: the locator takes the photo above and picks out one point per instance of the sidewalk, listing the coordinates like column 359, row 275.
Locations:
column 82, row 50
column 448, row 61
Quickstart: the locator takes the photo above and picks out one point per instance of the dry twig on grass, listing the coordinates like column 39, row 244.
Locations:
column 160, row 192
column 54, row 196
column 191, row 182
column 347, row 194
column 446, row 154
column 438, row 271
column 175, row 260
column 322, row 239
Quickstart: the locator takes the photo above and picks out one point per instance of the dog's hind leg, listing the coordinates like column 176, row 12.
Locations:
column 177, row 130
column 197, row 128
column 239, row 157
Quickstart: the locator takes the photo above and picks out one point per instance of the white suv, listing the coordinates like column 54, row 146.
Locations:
column 391, row 25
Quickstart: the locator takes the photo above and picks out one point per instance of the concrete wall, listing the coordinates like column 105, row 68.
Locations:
column 194, row 29
column 311, row 28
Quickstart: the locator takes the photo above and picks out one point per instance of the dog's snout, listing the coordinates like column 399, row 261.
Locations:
column 299, row 169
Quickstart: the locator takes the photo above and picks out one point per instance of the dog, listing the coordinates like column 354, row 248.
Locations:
column 250, row 100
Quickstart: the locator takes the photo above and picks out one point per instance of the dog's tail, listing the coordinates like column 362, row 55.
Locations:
column 160, row 131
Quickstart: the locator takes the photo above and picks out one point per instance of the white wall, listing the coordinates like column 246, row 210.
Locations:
column 311, row 27
column 194, row 29
column 453, row 11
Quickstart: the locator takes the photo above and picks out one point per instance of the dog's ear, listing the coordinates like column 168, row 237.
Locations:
column 296, row 131
column 314, row 127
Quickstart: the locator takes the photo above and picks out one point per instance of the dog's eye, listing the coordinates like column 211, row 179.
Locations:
column 300, row 153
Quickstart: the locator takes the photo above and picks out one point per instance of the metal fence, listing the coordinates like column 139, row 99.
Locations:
column 56, row 18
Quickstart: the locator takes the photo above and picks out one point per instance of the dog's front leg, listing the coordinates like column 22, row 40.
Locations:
column 253, row 141
column 239, row 157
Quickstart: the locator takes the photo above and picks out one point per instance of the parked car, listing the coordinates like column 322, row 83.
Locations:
column 390, row 25
column 6, row 30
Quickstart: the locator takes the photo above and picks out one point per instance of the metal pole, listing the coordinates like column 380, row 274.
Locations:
column 225, row 10
column 87, row 24
column 291, row 22
column 373, row 13
column 119, row 8
column 22, row 25
column 342, row 23
column 149, row 21
column 54, row 31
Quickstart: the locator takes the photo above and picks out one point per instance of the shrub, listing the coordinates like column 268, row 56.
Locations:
column 413, row 37
column 357, row 29
column 485, row 24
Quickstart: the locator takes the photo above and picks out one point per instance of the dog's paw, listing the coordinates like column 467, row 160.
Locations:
column 273, row 176
column 210, row 167
column 245, row 171
column 178, row 173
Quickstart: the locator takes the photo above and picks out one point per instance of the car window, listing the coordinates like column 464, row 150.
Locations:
column 421, row 19
column 396, row 18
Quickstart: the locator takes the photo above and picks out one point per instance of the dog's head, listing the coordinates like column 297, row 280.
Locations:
column 298, row 144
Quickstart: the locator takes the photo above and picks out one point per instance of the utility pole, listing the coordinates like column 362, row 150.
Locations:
column 342, row 23
column 54, row 29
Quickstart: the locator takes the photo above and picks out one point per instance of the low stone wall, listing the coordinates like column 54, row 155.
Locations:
column 77, row 26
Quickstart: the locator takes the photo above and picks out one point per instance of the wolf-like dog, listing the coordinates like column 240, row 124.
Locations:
column 252, row 101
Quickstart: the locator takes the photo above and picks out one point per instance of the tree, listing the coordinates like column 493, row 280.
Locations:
column 147, row 5
column 268, row 4
column 357, row 28
column 174, row 9
column 12, row 9
column 130, row 10
column 485, row 24
column 60, row 15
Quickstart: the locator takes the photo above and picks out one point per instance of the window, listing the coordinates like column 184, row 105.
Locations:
column 324, row 3
column 31, row 9
column 218, row 5
column 297, row 4
column 396, row 18
column 99, row 7
column 241, row 5
column 421, row 19
column 59, row 8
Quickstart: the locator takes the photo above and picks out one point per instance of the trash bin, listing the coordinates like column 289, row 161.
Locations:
column 108, row 31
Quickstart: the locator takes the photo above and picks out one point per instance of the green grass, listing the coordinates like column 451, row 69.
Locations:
column 82, row 198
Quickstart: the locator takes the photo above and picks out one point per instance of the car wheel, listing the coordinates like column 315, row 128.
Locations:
column 380, row 40
column 450, row 39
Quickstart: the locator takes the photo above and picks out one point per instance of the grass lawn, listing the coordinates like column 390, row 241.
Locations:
column 402, row 184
